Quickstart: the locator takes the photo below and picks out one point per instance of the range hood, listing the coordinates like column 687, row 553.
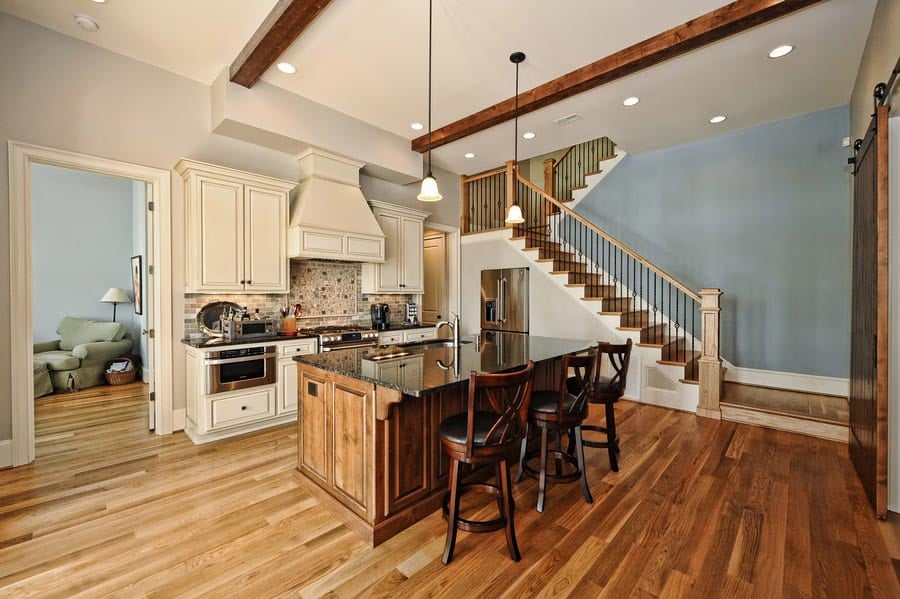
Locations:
column 330, row 218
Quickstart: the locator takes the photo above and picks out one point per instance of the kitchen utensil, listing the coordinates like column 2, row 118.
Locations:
column 297, row 311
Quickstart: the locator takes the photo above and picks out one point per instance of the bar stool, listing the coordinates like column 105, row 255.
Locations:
column 606, row 391
column 486, row 437
column 560, row 411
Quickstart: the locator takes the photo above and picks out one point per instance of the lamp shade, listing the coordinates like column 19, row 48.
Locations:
column 429, row 191
column 514, row 216
column 115, row 295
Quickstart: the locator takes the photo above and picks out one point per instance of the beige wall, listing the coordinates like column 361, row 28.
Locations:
column 67, row 94
column 879, row 57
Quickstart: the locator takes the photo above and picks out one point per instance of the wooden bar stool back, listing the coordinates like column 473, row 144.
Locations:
column 488, row 436
column 560, row 411
column 607, row 391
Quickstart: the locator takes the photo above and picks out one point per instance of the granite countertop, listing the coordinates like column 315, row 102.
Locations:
column 406, row 327
column 206, row 342
column 419, row 372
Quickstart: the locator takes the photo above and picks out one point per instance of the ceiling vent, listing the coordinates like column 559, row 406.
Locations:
column 569, row 118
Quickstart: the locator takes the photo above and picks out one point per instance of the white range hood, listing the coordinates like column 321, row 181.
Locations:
column 330, row 218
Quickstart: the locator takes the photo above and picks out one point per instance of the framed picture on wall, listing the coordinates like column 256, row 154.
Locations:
column 137, row 284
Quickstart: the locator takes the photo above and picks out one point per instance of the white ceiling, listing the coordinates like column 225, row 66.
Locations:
column 368, row 60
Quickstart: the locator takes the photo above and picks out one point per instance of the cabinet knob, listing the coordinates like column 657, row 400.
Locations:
column 243, row 407
column 243, row 281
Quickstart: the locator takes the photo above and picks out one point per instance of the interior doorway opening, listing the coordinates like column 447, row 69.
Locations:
column 22, row 157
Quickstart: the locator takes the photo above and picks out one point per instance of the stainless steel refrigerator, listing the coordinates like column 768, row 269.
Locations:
column 504, row 300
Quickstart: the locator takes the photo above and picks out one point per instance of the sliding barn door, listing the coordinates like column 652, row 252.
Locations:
column 869, row 317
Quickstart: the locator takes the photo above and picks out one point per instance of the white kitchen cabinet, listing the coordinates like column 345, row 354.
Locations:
column 404, row 237
column 236, row 230
column 406, row 335
column 221, row 415
column 287, row 372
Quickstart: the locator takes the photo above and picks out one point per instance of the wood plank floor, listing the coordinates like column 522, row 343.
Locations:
column 700, row 508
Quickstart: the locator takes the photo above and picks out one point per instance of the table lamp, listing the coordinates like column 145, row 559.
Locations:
column 115, row 296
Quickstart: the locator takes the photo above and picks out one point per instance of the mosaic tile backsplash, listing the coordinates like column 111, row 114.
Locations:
column 329, row 293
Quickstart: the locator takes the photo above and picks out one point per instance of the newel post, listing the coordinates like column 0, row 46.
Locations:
column 464, row 208
column 710, row 362
column 548, row 177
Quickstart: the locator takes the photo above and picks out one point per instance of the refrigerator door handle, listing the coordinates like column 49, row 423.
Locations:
column 498, row 313
column 503, row 303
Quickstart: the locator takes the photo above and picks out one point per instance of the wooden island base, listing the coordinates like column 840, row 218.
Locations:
column 372, row 455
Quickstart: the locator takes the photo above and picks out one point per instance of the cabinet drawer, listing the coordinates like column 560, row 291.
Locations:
column 411, row 336
column 388, row 338
column 243, row 408
column 305, row 346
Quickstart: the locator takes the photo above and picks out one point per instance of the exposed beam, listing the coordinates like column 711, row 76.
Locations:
column 696, row 33
column 284, row 24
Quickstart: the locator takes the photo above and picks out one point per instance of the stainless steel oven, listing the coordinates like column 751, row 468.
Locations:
column 232, row 369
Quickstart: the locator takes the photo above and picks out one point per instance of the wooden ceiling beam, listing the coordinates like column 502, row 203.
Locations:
column 288, row 19
column 706, row 29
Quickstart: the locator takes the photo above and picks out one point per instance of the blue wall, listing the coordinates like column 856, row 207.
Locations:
column 763, row 214
column 81, row 243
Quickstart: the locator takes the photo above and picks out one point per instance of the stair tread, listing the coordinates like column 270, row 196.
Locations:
column 689, row 381
column 579, row 187
column 610, row 314
column 629, row 329
column 650, row 345
column 605, row 158
column 593, row 173
column 674, row 362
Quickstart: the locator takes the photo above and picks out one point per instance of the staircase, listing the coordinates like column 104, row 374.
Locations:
column 632, row 298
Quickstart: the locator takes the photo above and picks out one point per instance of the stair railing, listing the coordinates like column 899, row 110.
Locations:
column 484, row 198
column 668, row 314
column 563, row 175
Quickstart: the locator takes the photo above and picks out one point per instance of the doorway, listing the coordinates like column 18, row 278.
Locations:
column 158, row 297
column 89, row 247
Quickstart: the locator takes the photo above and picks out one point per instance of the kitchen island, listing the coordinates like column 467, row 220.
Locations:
column 368, row 446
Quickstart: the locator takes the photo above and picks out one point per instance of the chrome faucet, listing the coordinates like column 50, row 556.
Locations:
column 453, row 325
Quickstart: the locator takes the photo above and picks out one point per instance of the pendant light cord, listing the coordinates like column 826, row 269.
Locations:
column 430, row 20
column 516, row 138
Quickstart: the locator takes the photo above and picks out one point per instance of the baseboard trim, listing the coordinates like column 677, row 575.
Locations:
column 6, row 460
column 179, row 417
column 792, row 381
column 810, row 428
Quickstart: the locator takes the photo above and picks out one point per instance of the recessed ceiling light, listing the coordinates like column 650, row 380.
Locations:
column 86, row 23
column 781, row 51
column 717, row 119
column 286, row 67
column 99, row 1
column 529, row 135
column 469, row 155
column 417, row 126
column 631, row 101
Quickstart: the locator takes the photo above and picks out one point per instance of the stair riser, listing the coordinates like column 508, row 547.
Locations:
column 617, row 304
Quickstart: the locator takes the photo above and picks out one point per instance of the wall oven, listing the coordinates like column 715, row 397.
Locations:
column 233, row 369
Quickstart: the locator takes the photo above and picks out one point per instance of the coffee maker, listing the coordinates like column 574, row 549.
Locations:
column 380, row 317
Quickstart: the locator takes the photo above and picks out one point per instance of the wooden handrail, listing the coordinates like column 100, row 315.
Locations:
column 566, row 210
column 557, row 161
column 483, row 175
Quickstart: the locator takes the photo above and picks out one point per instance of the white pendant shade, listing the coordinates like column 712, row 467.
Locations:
column 429, row 191
column 115, row 295
column 514, row 216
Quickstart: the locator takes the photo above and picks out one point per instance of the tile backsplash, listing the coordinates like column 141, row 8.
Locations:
column 328, row 291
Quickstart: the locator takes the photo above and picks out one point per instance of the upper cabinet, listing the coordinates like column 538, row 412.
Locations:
column 236, row 230
column 404, row 238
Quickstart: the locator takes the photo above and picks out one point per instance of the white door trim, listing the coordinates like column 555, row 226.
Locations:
column 21, row 157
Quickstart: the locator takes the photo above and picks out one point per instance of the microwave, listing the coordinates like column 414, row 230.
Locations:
column 248, row 329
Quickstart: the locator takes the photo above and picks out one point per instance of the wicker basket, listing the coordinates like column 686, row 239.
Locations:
column 121, row 378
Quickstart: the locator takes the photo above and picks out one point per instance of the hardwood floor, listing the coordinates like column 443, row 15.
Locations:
column 700, row 508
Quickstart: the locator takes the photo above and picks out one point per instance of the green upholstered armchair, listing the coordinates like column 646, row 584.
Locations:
column 78, row 358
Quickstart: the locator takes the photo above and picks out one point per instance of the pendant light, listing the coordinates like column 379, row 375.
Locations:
column 429, row 191
column 514, row 216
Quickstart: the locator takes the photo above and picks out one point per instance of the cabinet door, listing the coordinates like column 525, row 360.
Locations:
column 349, row 426
column 287, row 386
column 407, row 448
column 411, row 253
column 389, row 338
column 265, row 228
column 389, row 279
column 221, row 234
column 313, row 433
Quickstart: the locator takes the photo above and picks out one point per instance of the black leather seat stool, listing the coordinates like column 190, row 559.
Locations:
column 606, row 391
column 557, row 412
column 488, row 436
